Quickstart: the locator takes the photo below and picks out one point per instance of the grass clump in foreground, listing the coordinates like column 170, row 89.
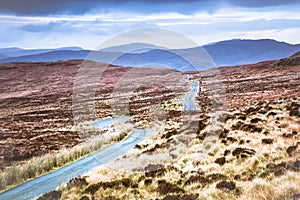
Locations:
column 35, row 167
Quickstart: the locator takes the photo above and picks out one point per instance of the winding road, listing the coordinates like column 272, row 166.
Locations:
column 48, row 182
column 188, row 101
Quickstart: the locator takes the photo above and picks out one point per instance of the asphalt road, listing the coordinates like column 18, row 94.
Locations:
column 48, row 182
column 188, row 101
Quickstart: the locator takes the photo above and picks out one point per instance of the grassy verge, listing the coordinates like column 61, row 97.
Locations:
column 16, row 175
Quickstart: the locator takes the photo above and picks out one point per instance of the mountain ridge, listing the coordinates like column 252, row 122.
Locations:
column 223, row 53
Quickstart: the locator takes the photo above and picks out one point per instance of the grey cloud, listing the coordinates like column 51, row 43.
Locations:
column 40, row 7
column 254, row 25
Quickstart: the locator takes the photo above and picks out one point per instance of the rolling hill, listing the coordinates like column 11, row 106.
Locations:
column 224, row 53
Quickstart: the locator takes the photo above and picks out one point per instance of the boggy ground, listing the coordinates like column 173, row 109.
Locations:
column 36, row 104
column 246, row 147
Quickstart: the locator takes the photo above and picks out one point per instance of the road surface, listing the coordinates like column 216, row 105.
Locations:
column 48, row 182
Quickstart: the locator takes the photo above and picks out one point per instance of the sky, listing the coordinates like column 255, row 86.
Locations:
column 35, row 24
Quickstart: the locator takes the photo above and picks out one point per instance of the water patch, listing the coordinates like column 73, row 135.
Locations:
column 107, row 123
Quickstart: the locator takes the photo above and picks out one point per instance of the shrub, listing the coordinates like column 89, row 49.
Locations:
column 197, row 179
column 165, row 187
column 38, row 166
column 226, row 186
column 53, row 195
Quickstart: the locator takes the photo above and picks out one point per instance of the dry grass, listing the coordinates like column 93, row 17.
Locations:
column 195, row 170
column 38, row 166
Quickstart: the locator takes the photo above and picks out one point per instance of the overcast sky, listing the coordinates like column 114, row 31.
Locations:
column 58, row 23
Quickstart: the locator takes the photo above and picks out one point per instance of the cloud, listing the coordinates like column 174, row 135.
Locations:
column 79, row 7
column 36, row 23
column 37, row 7
column 234, row 26
column 262, row 3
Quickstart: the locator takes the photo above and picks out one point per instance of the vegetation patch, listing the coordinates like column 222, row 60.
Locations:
column 226, row 186
column 165, row 187
column 53, row 195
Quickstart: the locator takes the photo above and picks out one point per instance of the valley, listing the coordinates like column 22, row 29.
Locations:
column 244, row 131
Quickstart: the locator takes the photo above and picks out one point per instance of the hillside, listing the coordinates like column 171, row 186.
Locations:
column 244, row 134
column 224, row 53
column 237, row 52
column 241, row 148
column 17, row 52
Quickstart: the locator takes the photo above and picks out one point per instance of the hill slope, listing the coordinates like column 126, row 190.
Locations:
column 225, row 53
column 237, row 52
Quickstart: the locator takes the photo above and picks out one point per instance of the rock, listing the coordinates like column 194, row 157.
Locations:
column 220, row 161
column 226, row 186
column 267, row 141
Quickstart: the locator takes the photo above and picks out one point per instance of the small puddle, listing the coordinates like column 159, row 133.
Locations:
column 107, row 123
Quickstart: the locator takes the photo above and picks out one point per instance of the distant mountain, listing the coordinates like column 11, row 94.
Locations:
column 9, row 50
column 155, row 58
column 2, row 56
column 132, row 48
column 224, row 53
column 49, row 56
column 237, row 52
column 16, row 52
